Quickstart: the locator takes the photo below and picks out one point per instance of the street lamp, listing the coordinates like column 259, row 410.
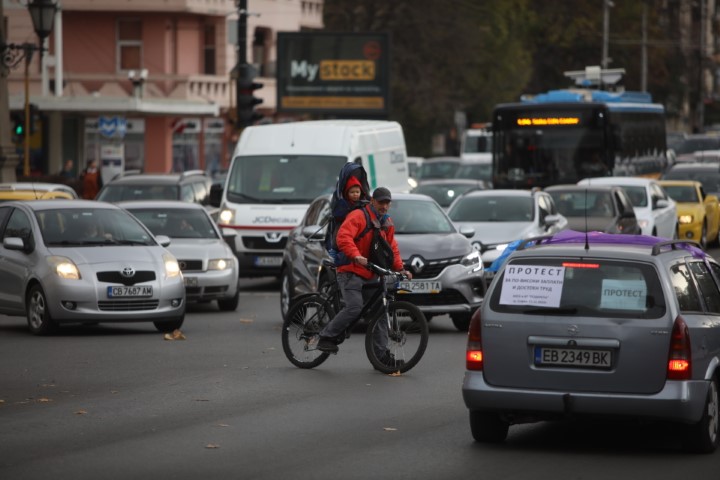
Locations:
column 42, row 14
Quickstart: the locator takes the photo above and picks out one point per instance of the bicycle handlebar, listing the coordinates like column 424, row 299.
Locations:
column 399, row 276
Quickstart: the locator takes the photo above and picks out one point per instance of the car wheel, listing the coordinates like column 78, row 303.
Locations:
column 461, row 320
column 169, row 325
column 229, row 304
column 38, row 313
column 286, row 289
column 703, row 436
column 488, row 427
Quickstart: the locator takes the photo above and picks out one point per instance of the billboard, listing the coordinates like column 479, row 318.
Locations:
column 335, row 73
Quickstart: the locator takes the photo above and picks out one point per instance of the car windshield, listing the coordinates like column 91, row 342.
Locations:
column 682, row 193
column 480, row 171
column 576, row 203
column 282, row 178
column 638, row 195
column 493, row 208
column 176, row 222
column 444, row 193
column 439, row 169
column 70, row 227
column 419, row 216
column 122, row 192
column 582, row 287
column 710, row 180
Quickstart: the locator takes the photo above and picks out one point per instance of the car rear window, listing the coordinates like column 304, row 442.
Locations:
column 582, row 287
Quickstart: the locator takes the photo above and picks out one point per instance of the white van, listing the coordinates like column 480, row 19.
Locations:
column 278, row 169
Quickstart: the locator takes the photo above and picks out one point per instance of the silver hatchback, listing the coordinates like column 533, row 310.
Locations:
column 601, row 324
column 77, row 261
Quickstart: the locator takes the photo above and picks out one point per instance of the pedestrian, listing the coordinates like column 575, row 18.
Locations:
column 352, row 276
column 67, row 170
column 90, row 180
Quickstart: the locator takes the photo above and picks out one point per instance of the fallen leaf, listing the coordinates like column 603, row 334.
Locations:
column 223, row 425
column 44, row 400
column 202, row 400
column 175, row 335
column 212, row 445
column 114, row 391
column 390, row 429
column 246, row 320
column 2, row 401
column 81, row 412
column 395, row 374
column 47, row 385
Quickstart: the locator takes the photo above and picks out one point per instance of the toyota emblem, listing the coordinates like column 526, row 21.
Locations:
column 128, row 272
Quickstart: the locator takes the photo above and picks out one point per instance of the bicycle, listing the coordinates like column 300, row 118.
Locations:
column 396, row 336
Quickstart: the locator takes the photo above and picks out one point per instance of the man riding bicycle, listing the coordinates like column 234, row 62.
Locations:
column 352, row 276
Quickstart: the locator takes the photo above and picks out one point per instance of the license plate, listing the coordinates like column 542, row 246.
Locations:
column 573, row 357
column 268, row 261
column 190, row 281
column 419, row 287
column 142, row 291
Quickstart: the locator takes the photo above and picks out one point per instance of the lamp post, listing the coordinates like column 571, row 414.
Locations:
column 42, row 14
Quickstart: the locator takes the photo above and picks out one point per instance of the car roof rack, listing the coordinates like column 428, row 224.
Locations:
column 674, row 245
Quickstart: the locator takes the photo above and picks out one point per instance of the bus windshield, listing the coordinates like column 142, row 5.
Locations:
column 282, row 178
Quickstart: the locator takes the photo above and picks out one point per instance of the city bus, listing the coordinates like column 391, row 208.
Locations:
column 563, row 136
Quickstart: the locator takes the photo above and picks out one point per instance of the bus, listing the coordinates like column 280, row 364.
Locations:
column 563, row 136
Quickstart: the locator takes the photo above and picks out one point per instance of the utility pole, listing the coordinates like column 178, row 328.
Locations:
column 606, row 33
column 244, row 75
column 643, row 54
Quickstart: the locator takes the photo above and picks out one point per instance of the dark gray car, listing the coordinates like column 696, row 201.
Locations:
column 447, row 271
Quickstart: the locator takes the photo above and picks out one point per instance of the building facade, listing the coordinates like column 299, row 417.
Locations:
column 144, row 84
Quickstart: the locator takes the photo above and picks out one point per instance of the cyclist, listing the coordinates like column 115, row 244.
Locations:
column 352, row 276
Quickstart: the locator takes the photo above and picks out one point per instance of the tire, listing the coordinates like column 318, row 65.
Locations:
column 488, row 427
column 229, row 304
column 703, row 436
column 167, row 326
column 304, row 321
column 406, row 340
column 39, row 319
column 286, row 289
column 461, row 320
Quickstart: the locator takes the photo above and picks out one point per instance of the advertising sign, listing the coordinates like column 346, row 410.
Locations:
column 338, row 73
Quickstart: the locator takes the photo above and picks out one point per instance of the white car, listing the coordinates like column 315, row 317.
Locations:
column 500, row 217
column 655, row 210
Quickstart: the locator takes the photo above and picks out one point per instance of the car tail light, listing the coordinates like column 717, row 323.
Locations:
column 679, row 359
column 474, row 354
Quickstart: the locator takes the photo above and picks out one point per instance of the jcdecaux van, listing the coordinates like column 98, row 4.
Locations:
column 278, row 169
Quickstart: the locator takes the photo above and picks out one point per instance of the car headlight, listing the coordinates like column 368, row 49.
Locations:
column 64, row 267
column 172, row 268
column 219, row 264
column 685, row 219
column 226, row 216
column 473, row 259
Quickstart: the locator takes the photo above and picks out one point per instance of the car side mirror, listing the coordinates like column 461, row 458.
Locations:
column 468, row 232
column 229, row 233
column 662, row 203
column 163, row 240
column 14, row 243
column 314, row 232
column 552, row 219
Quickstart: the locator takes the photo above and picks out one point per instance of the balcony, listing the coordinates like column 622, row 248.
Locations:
column 202, row 7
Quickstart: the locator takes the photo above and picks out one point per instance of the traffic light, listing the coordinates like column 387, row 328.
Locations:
column 18, row 124
column 246, row 99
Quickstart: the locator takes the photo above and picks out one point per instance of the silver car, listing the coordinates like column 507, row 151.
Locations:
column 598, row 324
column 447, row 271
column 77, row 261
column 208, row 265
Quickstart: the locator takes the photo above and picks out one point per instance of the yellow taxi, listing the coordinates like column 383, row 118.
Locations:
column 35, row 191
column 698, row 213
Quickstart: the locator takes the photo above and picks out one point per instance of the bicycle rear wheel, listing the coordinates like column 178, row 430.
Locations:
column 404, row 344
column 305, row 319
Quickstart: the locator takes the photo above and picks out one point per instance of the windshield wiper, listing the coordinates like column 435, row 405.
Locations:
column 244, row 196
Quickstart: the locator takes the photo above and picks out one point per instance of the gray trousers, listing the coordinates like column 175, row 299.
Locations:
column 351, row 286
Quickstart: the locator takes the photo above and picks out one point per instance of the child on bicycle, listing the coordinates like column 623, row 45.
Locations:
column 352, row 276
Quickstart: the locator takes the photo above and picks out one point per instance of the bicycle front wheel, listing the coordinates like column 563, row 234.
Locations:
column 305, row 319
column 396, row 342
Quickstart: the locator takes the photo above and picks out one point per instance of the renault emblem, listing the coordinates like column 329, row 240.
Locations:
column 128, row 272
column 417, row 264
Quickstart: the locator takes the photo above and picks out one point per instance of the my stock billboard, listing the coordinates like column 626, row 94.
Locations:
column 335, row 73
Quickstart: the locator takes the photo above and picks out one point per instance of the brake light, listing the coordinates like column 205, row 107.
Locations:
column 474, row 353
column 580, row 265
column 679, row 358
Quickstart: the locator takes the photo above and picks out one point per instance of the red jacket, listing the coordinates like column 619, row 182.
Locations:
column 351, row 227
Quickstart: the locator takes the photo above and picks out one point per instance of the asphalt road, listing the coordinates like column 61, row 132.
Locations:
column 121, row 402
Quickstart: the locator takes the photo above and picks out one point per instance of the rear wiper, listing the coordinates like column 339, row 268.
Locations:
column 555, row 311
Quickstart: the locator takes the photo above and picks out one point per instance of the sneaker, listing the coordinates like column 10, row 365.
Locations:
column 313, row 341
column 326, row 344
column 389, row 359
